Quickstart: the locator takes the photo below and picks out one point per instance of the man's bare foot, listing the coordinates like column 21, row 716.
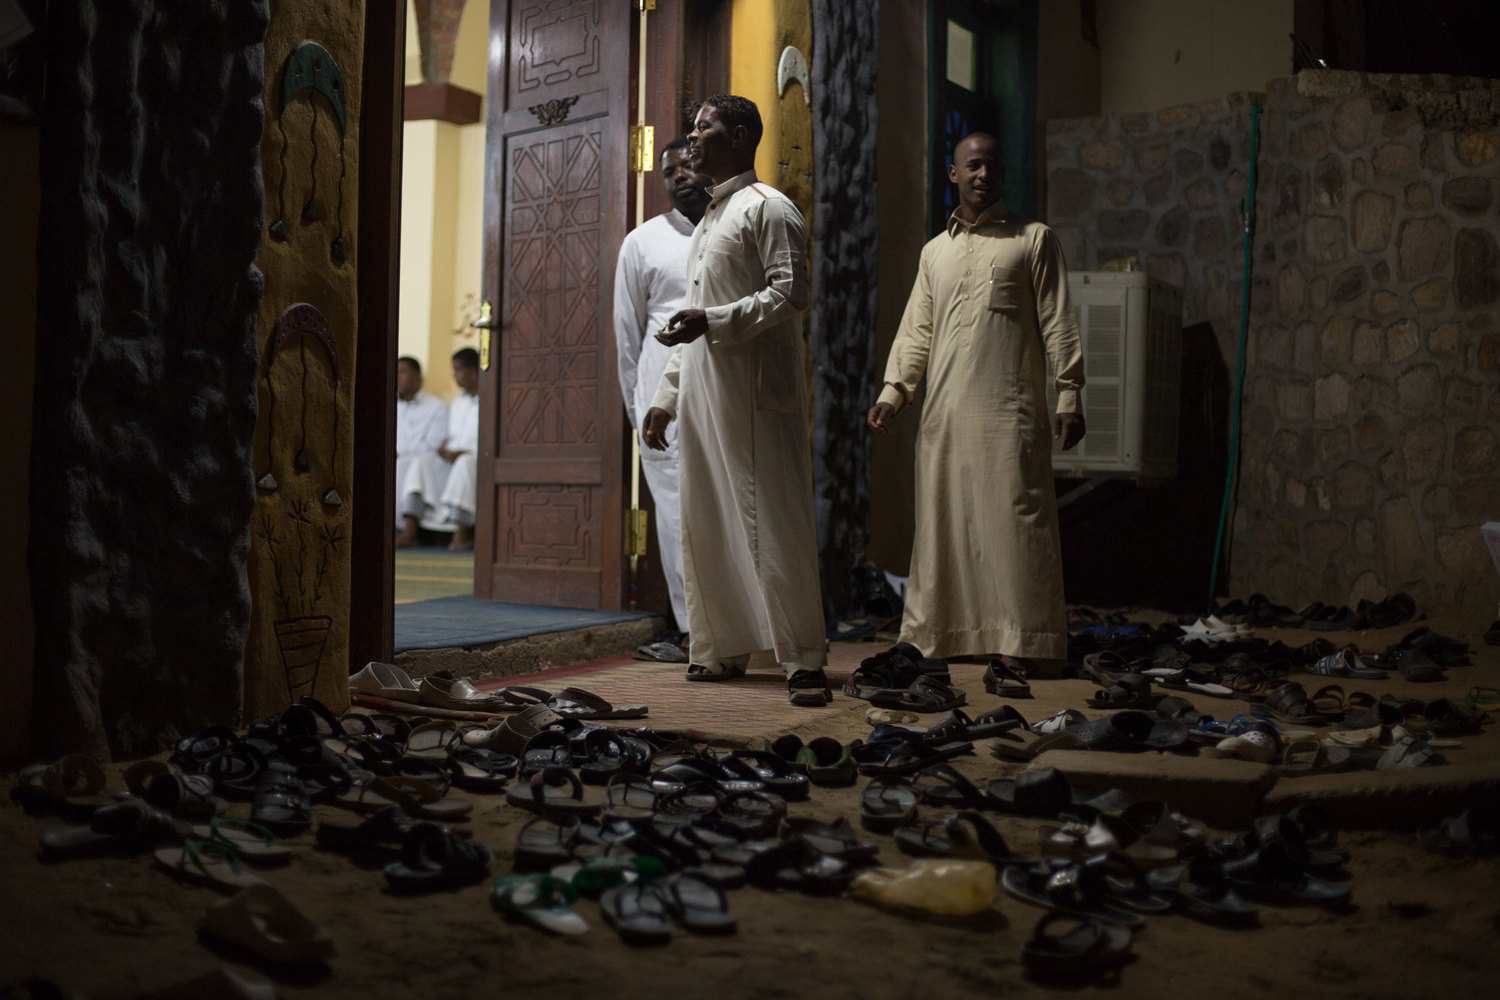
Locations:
column 408, row 538
column 463, row 538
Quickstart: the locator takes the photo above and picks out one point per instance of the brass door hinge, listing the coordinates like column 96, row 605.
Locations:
column 647, row 4
column 635, row 532
column 642, row 147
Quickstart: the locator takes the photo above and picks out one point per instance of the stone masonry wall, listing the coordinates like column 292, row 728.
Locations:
column 1369, row 453
column 145, row 371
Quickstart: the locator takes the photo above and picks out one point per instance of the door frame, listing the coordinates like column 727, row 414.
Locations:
column 372, row 570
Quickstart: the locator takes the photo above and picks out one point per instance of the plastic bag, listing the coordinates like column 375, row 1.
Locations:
column 934, row 885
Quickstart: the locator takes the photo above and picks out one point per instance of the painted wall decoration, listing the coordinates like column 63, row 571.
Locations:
column 299, row 559
column 311, row 70
column 302, row 322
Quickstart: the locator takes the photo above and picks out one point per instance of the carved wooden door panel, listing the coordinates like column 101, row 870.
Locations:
column 551, row 510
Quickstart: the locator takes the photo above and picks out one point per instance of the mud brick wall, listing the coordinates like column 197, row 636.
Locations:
column 145, row 371
column 1369, row 450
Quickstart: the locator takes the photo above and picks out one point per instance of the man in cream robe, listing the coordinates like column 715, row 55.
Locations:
column 736, row 385
column 988, row 310
column 650, row 286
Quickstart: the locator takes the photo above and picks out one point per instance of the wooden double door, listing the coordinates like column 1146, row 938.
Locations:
column 554, row 446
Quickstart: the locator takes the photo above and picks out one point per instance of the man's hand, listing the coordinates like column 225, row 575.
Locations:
column 654, row 428
column 880, row 416
column 447, row 455
column 685, row 326
column 1068, row 428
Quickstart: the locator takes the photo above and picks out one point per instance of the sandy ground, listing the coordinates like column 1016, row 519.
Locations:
column 1422, row 924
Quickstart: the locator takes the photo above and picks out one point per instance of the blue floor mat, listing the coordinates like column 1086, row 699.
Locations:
column 447, row 622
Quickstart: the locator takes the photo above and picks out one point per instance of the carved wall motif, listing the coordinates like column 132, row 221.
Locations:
column 299, row 566
column 310, row 70
column 145, row 371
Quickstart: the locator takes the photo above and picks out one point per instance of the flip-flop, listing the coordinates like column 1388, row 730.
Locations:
column 1075, row 889
column 638, row 913
column 1345, row 663
column 1086, row 948
column 887, row 803
column 699, row 904
column 432, row 739
column 1023, row 744
column 416, row 797
column 963, row 835
column 384, row 829
column 475, row 769
column 263, row 921
column 281, row 805
column 186, row 796
column 629, row 797
column 941, row 785
column 1486, row 699
column 546, row 841
column 576, row 703
column 957, row 725
column 548, row 748
column 436, row 857
column 209, row 862
column 542, row 900
column 1044, row 793
column 117, row 828
column 909, row 756
column 1187, row 679
column 252, row 842
column 552, row 789
column 1200, row 890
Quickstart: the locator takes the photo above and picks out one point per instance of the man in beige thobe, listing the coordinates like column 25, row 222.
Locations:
column 735, row 384
column 988, row 310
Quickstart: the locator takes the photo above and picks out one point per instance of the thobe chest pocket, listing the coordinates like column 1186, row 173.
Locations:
column 1005, row 294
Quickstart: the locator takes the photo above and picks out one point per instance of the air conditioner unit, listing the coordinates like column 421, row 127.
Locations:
column 1131, row 328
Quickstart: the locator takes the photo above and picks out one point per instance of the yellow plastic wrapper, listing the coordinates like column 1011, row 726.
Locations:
column 943, row 886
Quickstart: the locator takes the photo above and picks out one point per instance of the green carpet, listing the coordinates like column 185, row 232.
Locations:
column 432, row 571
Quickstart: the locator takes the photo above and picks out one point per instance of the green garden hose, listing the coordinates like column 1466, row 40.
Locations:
column 1232, row 472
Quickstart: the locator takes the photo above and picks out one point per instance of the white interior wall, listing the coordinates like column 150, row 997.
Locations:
column 1158, row 53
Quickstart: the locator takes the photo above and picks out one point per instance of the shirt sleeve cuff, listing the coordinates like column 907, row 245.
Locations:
column 720, row 331
column 1068, row 401
column 892, row 396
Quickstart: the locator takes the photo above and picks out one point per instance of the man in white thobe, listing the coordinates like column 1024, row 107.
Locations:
column 446, row 483
column 735, row 383
column 651, row 285
column 988, row 310
column 421, row 423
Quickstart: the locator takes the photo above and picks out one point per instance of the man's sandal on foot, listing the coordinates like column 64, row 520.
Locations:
column 808, row 688
column 715, row 670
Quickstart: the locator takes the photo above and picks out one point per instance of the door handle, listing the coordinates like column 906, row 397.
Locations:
column 483, row 324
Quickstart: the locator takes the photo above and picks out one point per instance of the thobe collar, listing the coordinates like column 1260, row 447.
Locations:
column 679, row 222
column 718, row 192
column 993, row 213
